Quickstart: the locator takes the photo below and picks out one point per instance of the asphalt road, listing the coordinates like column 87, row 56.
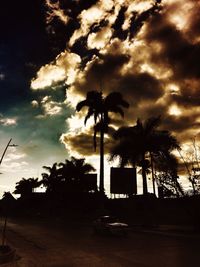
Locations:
column 74, row 245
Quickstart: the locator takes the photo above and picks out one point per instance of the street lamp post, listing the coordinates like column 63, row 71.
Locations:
column 5, row 222
column 4, row 152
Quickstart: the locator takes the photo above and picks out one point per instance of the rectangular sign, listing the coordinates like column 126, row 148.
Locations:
column 123, row 181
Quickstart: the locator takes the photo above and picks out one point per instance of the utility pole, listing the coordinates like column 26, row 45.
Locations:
column 5, row 222
column 4, row 152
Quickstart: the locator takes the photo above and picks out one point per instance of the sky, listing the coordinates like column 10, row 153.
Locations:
column 52, row 52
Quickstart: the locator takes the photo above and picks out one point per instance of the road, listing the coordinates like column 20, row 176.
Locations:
column 53, row 245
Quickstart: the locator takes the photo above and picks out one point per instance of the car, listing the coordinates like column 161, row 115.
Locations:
column 110, row 225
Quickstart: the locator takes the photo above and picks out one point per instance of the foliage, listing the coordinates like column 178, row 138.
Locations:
column 167, row 177
column 191, row 160
column 99, row 107
column 136, row 144
column 25, row 186
column 67, row 177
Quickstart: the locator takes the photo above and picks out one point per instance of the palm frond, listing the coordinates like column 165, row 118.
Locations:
column 89, row 114
column 82, row 104
column 115, row 99
column 117, row 109
column 151, row 124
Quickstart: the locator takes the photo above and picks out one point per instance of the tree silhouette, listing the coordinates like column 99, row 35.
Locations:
column 167, row 177
column 73, row 172
column 25, row 186
column 66, row 177
column 136, row 143
column 51, row 179
column 99, row 107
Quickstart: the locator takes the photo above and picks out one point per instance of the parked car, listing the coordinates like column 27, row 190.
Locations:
column 110, row 225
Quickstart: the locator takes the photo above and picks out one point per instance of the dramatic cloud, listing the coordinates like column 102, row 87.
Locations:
column 64, row 68
column 148, row 50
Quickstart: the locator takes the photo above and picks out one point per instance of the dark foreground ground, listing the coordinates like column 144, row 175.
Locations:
column 58, row 244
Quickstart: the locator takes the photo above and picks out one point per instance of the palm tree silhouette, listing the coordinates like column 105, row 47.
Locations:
column 137, row 143
column 51, row 180
column 73, row 171
column 25, row 186
column 99, row 107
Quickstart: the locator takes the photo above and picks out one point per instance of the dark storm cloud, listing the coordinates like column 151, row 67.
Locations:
column 180, row 124
column 82, row 143
column 138, row 20
column 59, row 32
column 81, row 49
column 117, row 26
column 74, row 8
column 106, row 68
column 152, row 110
column 140, row 87
column 177, row 52
column 105, row 73
column 194, row 24
column 141, row 66
column 101, row 72
column 189, row 94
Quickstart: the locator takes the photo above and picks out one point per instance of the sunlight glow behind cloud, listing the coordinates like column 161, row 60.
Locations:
column 64, row 68
column 153, row 64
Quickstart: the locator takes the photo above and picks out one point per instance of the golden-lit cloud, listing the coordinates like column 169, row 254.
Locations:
column 48, row 75
column 174, row 110
column 100, row 39
column 155, row 64
column 96, row 13
column 82, row 143
column 64, row 68
column 54, row 10
column 35, row 103
column 51, row 107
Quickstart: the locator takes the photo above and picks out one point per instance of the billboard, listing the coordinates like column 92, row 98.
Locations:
column 123, row 181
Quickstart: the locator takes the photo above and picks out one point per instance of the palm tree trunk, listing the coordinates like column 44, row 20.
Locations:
column 101, row 178
column 152, row 171
column 144, row 176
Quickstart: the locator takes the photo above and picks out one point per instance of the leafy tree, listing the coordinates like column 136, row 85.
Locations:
column 167, row 177
column 99, row 108
column 191, row 160
column 136, row 144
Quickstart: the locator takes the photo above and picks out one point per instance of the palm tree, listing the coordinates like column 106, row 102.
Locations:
column 25, row 186
column 137, row 143
column 73, row 171
column 51, row 180
column 99, row 107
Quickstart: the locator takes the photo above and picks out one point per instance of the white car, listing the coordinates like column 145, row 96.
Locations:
column 110, row 225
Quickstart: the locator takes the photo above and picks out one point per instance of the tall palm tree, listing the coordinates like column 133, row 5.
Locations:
column 99, row 107
column 136, row 143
